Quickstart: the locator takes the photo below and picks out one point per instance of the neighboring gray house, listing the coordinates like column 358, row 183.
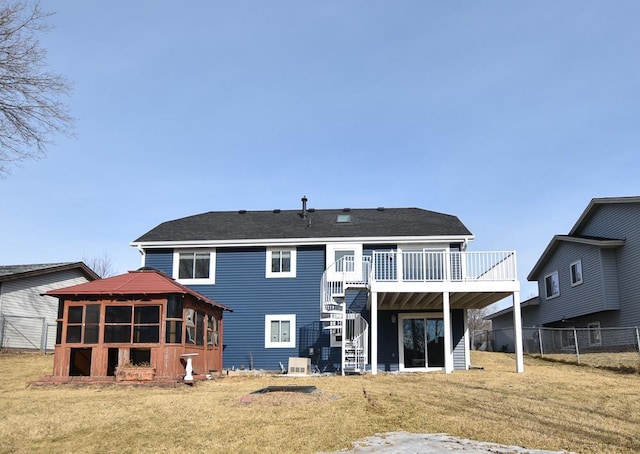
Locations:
column 28, row 319
column 589, row 278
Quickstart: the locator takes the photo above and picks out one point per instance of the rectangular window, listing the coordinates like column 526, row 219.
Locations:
column 212, row 331
column 132, row 324
column 345, row 260
column 576, row 273
column 568, row 338
column 173, row 324
column 83, row 324
column 551, row 285
column 595, row 335
column 281, row 262
column 280, row 331
column 194, row 267
column 199, row 328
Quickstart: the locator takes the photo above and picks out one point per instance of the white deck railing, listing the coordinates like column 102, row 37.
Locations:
column 434, row 266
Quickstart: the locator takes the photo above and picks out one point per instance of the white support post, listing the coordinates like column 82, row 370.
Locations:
column 517, row 332
column 45, row 335
column 467, row 349
column 446, row 316
column 374, row 333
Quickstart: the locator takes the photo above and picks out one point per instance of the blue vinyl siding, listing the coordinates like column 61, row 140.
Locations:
column 457, row 322
column 241, row 285
column 160, row 259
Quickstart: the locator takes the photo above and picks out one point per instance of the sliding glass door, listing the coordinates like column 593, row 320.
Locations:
column 421, row 341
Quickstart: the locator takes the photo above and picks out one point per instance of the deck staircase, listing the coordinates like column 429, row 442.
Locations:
column 350, row 327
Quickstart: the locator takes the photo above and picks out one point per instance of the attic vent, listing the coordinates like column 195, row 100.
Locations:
column 380, row 208
column 277, row 210
column 242, row 211
column 311, row 210
column 346, row 210
column 343, row 218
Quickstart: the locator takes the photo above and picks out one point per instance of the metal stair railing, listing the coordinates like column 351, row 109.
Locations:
column 336, row 279
column 355, row 344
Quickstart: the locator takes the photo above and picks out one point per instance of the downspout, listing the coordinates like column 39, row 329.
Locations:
column 143, row 255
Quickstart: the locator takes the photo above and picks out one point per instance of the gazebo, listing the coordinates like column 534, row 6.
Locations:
column 138, row 326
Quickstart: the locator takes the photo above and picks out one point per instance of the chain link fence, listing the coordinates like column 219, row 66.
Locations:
column 601, row 347
column 26, row 333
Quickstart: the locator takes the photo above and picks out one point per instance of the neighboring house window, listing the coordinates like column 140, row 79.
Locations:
column 568, row 338
column 576, row 273
column 552, row 285
column 194, row 267
column 280, row 331
column 595, row 335
column 281, row 262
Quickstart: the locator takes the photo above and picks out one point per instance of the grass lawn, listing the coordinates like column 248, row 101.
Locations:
column 551, row 406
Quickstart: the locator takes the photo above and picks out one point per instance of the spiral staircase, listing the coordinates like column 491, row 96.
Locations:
column 350, row 327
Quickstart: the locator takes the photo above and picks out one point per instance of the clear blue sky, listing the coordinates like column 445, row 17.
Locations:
column 510, row 115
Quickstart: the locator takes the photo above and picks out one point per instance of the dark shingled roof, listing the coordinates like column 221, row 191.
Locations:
column 283, row 224
column 9, row 272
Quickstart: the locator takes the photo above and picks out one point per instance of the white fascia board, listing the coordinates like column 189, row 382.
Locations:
column 301, row 241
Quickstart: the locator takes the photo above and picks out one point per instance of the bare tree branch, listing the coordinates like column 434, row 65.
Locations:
column 31, row 111
column 102, row 265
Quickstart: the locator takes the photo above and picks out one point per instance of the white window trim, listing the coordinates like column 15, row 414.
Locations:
column 270, row 274
column 331, row 250
column 212, row 267
column 291, row 318
column 555, row 295
column 577, row 262
column 595, row 326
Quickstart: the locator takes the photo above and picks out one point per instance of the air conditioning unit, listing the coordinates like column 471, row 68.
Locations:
column 301, row 366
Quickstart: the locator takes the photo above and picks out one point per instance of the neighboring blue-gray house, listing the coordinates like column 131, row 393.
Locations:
column 353, row 290
column 28, row 318
column 589, row 278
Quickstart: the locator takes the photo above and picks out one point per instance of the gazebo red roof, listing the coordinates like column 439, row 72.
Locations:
column 140, row 282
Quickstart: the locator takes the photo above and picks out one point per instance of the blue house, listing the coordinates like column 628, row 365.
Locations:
column 587, row 278
column 352, row 290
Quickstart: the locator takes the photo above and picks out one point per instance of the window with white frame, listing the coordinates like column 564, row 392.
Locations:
column 595, row 335
column 576, row 272
column 194, row 266
column 551, row 285
column 281, row 262
column 280, row 331
column 568, row 337
column 344, row 258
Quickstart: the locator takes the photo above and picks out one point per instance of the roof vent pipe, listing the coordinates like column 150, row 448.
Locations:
column 304, row 207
